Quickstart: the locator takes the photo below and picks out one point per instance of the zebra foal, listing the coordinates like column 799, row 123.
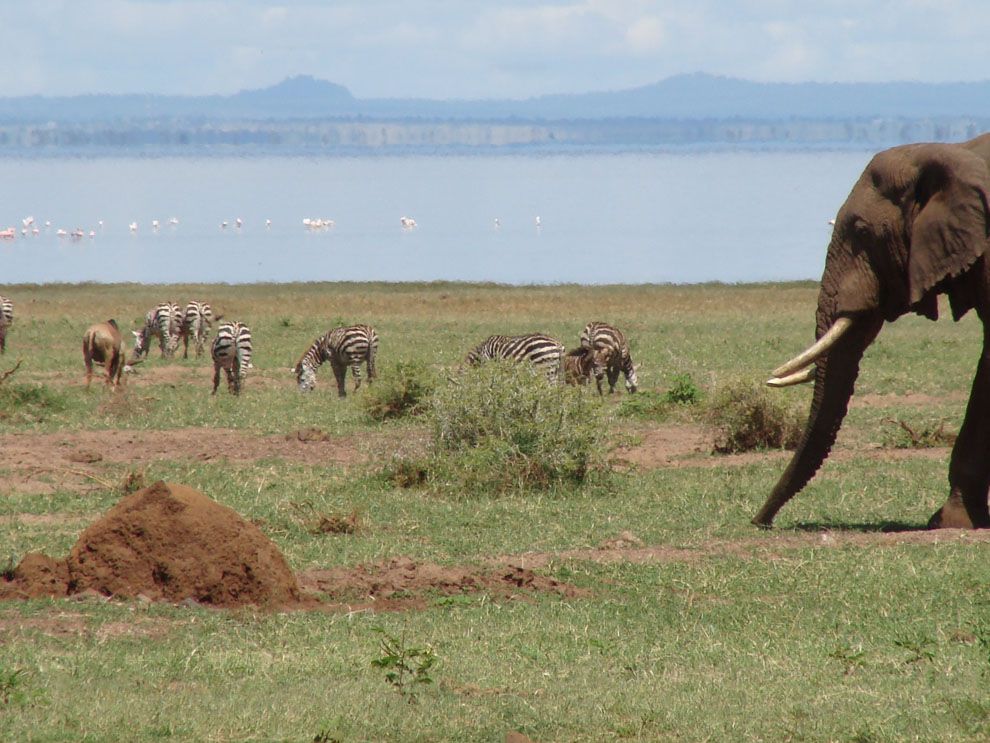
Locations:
column 343, row 347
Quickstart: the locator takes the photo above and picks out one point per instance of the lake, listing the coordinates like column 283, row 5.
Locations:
column 631, row 217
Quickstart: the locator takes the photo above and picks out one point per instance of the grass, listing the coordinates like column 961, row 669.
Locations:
column 822, row 629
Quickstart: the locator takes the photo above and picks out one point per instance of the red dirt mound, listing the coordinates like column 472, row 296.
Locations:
column 166, row 542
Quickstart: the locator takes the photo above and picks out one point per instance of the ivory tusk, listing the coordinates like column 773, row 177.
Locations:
column 819, row 349
column 800, row 377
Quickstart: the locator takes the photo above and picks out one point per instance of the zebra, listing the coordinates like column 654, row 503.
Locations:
column 164, row 321
column 579, row 365
column 231, row 351
column 195, row 323
column 343, row 347
column 612, row 355
column 6, row 319
column 544, row 352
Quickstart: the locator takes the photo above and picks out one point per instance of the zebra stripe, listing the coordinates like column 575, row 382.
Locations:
column 612, row 354
column 6, row 320
column 343, row 347
column 163, row 322
column 196, row 323
column 231, row 351
column 542, row 351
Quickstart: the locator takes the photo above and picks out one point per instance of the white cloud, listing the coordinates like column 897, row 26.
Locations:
column 646, row 35
column 479, row 48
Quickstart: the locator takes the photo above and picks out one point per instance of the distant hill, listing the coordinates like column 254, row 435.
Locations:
column 695, row 96
column 305, row 115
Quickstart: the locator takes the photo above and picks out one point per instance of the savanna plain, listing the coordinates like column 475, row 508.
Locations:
column 660, row 612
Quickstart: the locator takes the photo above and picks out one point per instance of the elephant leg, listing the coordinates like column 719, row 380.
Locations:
column 969, row 468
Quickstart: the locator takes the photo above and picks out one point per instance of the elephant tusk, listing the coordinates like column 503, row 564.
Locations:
column 800, row 377
column 819, row 349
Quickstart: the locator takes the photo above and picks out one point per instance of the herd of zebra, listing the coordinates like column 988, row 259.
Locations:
column 603, row 352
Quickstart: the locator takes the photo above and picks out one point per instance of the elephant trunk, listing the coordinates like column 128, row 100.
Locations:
column 835, row 378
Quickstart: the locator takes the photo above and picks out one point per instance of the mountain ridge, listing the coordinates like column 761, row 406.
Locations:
column 687, row 96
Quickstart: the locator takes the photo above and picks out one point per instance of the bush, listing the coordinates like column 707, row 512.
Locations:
column 744, row 417
column 503, row 427
column 683, row 391
column 21, row 403
column 402, row 390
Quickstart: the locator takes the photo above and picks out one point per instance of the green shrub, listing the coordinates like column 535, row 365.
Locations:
column 20, row 403
column 683, row 391
column 644, row 404
column 401, row 390
column 744, row 417
column 504, row 427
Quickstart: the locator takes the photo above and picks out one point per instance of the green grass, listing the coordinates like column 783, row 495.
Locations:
column 822, row 629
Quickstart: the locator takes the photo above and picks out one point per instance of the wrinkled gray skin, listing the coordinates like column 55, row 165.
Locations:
column 915, row 225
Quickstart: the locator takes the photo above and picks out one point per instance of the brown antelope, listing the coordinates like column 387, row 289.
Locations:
column 102, row 345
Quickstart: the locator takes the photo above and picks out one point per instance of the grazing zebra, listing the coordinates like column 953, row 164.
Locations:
column 196, row 323
column 6, row 319
column 164, row 321
column 610, row 343
column 342, row 347
column 231, row 351
column 542, row 351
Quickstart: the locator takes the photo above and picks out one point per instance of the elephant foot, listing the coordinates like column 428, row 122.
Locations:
column 955, row 515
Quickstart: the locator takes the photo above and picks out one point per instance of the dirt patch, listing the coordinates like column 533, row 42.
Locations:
column 769, row 546
column 165, row 542
column 405, row 583
column 309, row 446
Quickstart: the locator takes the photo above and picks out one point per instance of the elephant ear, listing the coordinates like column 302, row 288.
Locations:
column 952, row 223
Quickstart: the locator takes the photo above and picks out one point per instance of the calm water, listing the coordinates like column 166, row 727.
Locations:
column 605, row 218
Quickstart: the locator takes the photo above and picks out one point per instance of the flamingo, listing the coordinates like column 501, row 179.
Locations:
column 132, row 226
column 407, row 223
column 154, row 224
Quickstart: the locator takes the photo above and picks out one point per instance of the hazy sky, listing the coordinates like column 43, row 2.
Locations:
column 479, row 48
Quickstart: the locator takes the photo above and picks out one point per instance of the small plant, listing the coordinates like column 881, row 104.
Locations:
column 285, row 322
column 402, row 390
column 924, row 436
column 744, row 417
column 12, row 686
column 405, row 667
column 317, row 522
column 683, row 391
column 7, row 573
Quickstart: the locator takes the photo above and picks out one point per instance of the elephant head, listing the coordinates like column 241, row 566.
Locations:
column 914, row 226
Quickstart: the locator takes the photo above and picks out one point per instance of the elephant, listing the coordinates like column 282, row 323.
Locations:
column 914, row 226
